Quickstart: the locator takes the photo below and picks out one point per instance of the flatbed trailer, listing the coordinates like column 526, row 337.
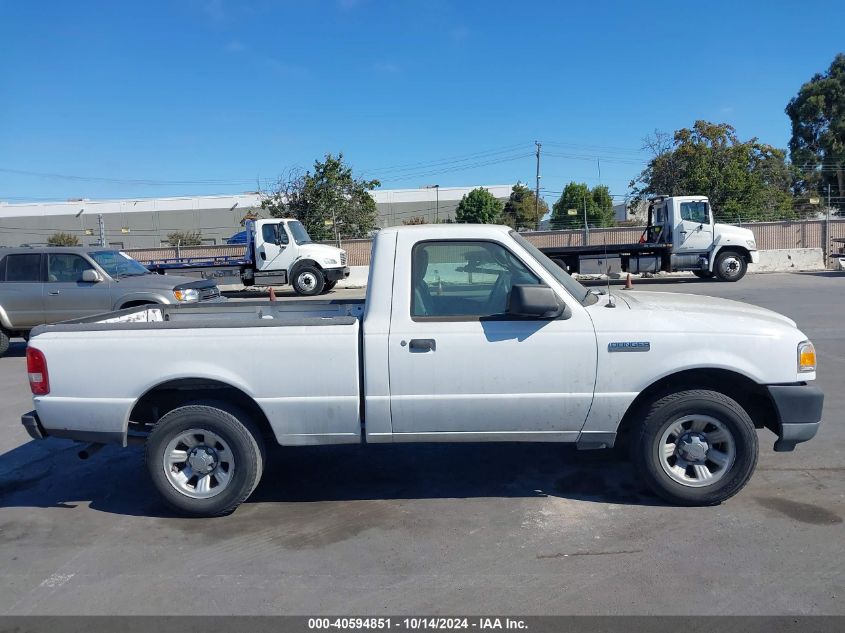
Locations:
column 681, row 235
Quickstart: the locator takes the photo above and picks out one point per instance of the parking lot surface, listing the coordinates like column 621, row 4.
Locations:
column 436, row 529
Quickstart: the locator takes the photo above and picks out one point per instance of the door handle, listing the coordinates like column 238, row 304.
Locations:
column 54, row 292
column 418, row 345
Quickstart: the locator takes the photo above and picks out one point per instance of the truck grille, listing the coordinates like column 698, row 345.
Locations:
column 209, row 293
column 343, row 258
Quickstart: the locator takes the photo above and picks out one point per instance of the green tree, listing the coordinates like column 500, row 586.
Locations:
column 184, row 238
column 329, row 198
column 576, row 196
column 522, row 210
column 745, row 180
column 479, row 206
column 817, row 146
column 63, row 239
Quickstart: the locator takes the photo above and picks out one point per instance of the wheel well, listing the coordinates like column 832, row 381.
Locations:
column 752, row 397
column 176, row 393
column 301, row 263
column 740, row 250
column 135, row 304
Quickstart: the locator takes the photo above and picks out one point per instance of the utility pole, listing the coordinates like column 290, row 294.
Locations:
column 827, row 230
column 586, row 224
column 537, row 187
column 102, row 227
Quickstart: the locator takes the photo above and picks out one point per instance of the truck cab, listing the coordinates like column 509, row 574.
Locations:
column 699, row 244
column 284, row 253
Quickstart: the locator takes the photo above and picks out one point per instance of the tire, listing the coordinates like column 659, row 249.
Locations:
column 705, row 424
column 308, row 281
column 730, row 266
column 703, row 274
column 4, row 341
column 227, row 444
column 329, row 286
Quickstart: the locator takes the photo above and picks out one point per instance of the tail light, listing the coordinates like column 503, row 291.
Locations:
column 36, row 367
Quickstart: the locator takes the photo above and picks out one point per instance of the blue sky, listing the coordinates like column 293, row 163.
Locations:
column 213, row 96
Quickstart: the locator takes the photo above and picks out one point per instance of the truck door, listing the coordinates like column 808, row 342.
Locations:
column 274, row 250
column 694, row 227
column 66, row 296
column 21, row 289
column 461, row 369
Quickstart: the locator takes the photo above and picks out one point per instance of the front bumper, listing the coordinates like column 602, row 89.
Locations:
column 336, row 274
column 799, row 409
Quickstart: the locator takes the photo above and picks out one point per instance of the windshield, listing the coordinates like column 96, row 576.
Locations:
column 573, row 287
column 300, row 235
column 118, row 264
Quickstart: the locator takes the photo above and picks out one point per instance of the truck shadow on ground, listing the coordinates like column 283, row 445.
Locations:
column 48, row 474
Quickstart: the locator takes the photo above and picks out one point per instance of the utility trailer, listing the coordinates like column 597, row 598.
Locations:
column 681, row 235
column 278, row 252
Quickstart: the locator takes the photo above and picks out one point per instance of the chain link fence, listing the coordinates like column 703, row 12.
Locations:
column 769, row 235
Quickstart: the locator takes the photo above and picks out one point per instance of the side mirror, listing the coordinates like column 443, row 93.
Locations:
column 91, row 276
column 535, row 301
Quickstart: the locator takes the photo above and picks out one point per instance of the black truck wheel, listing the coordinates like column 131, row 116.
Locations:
column 4, row 341
column 703, row 274
column 308, row 280
column 695, row 448
column 205, row 460
column 730, row 266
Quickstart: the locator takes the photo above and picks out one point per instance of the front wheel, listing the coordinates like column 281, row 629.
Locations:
column 730, row 266
column 205, row 460
column 309, row 281
column 695, row 448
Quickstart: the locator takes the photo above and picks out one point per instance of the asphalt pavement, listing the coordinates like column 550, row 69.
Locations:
column 437, row 529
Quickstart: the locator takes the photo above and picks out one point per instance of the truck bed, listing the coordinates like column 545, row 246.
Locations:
column 231, row 314
column 299, row 361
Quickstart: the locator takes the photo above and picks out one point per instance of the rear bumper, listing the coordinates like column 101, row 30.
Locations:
column 33, row 426
column 336, row 274
column 799, row 409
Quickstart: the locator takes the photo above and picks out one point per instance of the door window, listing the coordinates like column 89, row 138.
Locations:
column 269, row 232
column 66, row 267
column 695, row 212
column 23, row 268
column 464, row 279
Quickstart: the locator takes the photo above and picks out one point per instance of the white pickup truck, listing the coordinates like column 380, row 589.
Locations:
column 468, row 333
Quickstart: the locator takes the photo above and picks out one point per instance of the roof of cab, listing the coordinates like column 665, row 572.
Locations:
column 450, row 230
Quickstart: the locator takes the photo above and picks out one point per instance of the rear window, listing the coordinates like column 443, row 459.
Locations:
column 24, row 267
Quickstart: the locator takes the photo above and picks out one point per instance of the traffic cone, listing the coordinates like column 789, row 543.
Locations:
column 273, row 294
column 628, row 283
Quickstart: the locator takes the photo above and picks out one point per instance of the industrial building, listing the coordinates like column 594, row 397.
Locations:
column 146, row 222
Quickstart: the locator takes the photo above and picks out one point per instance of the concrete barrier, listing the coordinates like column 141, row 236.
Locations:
column 785, row 260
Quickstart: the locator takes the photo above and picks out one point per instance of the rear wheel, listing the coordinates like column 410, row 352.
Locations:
column 695, row 448
column 730, row 266
column 205, row 460
column 309, row 281
column 4, row 341
column 703, row 274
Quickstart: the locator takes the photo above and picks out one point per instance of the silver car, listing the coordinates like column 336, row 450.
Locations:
column 51, row 284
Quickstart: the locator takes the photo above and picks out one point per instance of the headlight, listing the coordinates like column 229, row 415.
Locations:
column 806, row 356
column 186, row 294
column 751, row 244
column 330, row 262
